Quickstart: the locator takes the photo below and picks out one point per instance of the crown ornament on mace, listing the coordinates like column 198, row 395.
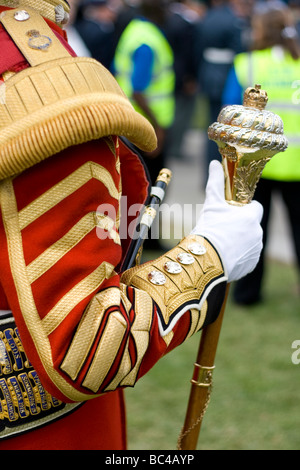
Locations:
column 248, row 136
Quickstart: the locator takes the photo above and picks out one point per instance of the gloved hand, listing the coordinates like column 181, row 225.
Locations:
column 234, row 231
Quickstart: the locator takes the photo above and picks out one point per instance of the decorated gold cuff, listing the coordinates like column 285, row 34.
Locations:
column 180, row 280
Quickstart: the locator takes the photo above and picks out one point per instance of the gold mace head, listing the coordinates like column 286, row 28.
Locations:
column 248, row 136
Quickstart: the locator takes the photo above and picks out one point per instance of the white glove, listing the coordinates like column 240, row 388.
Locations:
column 235, row 231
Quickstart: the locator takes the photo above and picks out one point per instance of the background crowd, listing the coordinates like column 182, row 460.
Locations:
column 165, row 54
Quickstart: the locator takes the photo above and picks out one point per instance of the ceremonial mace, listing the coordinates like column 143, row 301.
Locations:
column 247, row 136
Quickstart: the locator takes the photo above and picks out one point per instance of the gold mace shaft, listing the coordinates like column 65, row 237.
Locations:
column 201, row 382
column 247, row 137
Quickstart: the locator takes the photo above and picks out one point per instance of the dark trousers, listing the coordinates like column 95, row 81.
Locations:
column 248, row 290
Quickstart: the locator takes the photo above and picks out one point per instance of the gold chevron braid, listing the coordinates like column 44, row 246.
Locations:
column 80, row 291
column 55, row 252
column 24, row 292
column 87, row 331
column 115, row 328
column 65, row 188
column 107, row 349
column 44, row 262
column 140, row 332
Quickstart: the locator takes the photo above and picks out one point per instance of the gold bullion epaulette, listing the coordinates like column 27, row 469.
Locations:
column 59, row 100
column 180, row 280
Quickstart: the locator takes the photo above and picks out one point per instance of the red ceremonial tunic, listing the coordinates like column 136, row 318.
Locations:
column 87, row 329
column 98, row 423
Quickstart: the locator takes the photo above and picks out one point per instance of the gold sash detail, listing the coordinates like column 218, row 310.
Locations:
column 24, row 403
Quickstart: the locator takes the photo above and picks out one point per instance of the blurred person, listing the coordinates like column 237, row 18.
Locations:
column 274, row 64
column 219, row 38
column 127, row 11
column 180, row 30
column 74, row 39
column 76, row 325
column 197, row 6
column 95, row 24
column 144, row 68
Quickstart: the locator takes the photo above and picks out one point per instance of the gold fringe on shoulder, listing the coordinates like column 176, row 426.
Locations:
column 60, row 103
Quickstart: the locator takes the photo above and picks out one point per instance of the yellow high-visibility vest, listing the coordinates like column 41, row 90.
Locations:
column 279, row 74
column 160, row 92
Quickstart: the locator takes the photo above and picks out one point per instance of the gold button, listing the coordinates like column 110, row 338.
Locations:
column 21, row 15
column 157, row 278
column 172, row 267
column 185, row 258
column 197, row 249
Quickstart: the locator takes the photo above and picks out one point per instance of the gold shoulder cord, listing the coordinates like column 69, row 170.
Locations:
column 32, row 35
column 56, row 11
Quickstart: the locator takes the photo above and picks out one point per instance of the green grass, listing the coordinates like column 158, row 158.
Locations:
column 255, row 402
